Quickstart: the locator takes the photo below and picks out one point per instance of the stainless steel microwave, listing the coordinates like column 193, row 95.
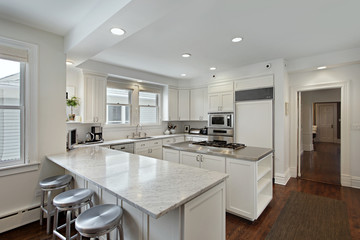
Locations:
column 221, row 120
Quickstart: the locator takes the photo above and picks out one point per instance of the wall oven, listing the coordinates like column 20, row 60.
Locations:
column 221, row 120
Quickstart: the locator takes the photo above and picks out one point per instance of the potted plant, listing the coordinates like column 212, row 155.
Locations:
column 72, row 102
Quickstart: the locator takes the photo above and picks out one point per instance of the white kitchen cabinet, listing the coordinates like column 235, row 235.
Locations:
column 184, row 104
column 171, row 155
column 209, row 162
column 151, row 148
column 94, row 98
column 221, row 102
column 204, row 211
column 173, row 104
column 170, row 140
column 249, row 186
column 199, row 104
column 221, row 97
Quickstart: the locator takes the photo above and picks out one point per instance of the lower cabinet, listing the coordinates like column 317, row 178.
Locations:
column 171, row 155
column 152, row 148
column 249, row 186
column 209, row 162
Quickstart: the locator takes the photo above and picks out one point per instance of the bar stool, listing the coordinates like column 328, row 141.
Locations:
column 100, row 220
column 70, row 201
column 48, row 185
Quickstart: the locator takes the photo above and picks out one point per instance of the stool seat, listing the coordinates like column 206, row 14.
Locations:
column 98, row 219
column 55, row 181
column 72, row 197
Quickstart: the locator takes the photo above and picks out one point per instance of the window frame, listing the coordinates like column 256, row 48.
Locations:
column 120, row 104
column 29, row 96
column 157, row 107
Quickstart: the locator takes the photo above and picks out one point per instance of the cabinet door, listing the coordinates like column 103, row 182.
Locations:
column 206, row 210
column 173, row 104
column 171, row 155
column 142, row 151
column 184, row 105
column 190, row 159
column 213, row 163
column 227, row 102
column 240, row 188
column 155, row 152
column 94, row 98
column 197, row 104
column 214, row 102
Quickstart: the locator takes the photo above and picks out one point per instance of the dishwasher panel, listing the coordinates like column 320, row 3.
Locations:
column 125, row 147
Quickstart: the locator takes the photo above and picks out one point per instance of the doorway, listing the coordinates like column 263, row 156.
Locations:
column 319, row 118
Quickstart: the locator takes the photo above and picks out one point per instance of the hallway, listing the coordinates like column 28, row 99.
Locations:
column 322, row 164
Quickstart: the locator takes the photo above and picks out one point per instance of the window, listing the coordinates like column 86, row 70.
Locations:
column 12, row 106
column 118, row 106
column 149, row 109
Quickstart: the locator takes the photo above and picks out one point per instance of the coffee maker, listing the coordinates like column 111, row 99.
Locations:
column 97, row 133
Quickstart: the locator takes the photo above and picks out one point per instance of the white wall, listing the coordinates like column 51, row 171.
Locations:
column 18, row 191
column 350, row 74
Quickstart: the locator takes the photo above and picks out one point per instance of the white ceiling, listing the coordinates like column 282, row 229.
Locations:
column 159, row 31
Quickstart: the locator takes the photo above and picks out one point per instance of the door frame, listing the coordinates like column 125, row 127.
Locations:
column 295, row 123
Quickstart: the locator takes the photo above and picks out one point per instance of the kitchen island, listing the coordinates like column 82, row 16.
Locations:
column 250, row 169
column 161, row 200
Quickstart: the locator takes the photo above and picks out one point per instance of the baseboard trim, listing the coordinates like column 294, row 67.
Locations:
column 345, row 180
column 282, row 178
column 355, row 182
column 20, row 218
column 308, row 147
column 293, row 172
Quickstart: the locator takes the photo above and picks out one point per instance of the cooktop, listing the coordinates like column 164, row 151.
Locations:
column 221, row 144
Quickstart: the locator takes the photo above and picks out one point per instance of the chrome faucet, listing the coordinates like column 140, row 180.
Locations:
column 138, row 134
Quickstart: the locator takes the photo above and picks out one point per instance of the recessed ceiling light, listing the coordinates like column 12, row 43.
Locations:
column 69, row 63
column 117, row 31
column 237, row 39
column 186, row 55
column 183, row 75
column 213, row 68
column 322, row 67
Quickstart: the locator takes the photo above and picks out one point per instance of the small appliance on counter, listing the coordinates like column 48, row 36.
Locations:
column 71, row 139
column 95, row 135
column 199, row 131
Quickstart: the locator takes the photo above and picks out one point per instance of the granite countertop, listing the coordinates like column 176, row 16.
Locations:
column 153, row 186
column 132, row 140
column 248, row 153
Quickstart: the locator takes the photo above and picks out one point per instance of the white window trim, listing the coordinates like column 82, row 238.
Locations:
column 31, row 161
column 158, row 117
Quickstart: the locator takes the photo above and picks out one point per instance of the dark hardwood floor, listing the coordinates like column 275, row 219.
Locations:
column 322, row 164
column 238, row 228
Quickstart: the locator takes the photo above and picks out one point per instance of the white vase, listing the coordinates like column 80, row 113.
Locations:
column 172, row 131
column 167, row 132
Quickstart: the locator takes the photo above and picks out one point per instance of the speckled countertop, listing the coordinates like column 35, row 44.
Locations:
column 248, row 153
column 153, row 186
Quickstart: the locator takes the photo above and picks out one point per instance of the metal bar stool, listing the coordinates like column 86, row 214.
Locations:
column 100, row 220
column 70, row 201
column 48, row 185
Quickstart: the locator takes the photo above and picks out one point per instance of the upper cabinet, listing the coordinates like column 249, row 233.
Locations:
column 199, row 104
column 94, row 98
column 184, row 104
column 221, row 97
column 173, row 104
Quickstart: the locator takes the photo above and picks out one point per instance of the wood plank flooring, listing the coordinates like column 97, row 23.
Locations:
column 323, row 164
column 238, row 228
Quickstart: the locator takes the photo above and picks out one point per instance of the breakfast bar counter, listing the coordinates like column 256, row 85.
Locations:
column 161, row 199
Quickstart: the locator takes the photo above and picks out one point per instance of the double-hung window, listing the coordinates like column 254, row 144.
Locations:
column 118, row 106
column 12, row 105
column 149, row 108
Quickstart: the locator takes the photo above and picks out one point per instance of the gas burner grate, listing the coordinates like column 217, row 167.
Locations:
column 221, row 144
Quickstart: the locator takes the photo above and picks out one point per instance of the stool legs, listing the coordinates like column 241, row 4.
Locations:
column 47, row 210
column 121, row 233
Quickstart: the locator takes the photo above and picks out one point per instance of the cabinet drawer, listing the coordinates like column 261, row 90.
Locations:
column 179, row 139
column 142, row 144
column 155, row 143
column 168, row 140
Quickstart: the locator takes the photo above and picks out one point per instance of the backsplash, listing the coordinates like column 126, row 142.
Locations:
column 115, row 133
